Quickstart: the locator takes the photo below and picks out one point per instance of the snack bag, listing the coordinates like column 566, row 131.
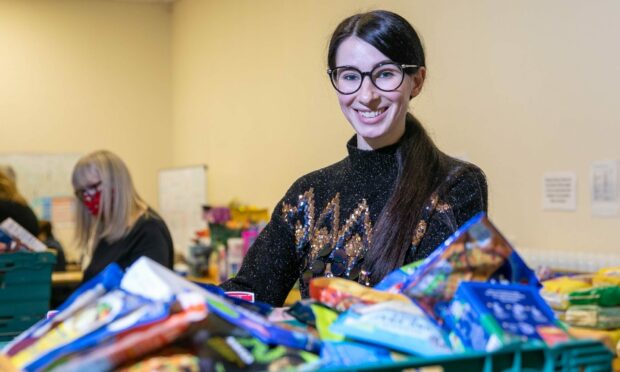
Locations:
column 138, row 336
column 325, row 317
column 487, row 316
column 166, row 360
column 395, row 325
column 340, row 294
column 555, row 291
column 605, row 296
column 349, row 354
column 607, row 276
column 108, row 280
column 258, row 326
column 271, row 358
column 475, row 252
column 593, row 316
column 394, row 281
column 85, row 328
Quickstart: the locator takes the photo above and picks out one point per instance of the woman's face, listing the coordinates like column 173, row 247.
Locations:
column 378, row 117
column 89, row 192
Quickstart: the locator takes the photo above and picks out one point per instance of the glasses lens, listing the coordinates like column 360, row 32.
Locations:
column 87, row 191
column 346, row 80
column 387, row 77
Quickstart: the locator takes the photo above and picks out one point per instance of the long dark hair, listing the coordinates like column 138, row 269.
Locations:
column 421, row 165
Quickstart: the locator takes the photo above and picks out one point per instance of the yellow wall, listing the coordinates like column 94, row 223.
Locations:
column 520, row 87
column 76, row 76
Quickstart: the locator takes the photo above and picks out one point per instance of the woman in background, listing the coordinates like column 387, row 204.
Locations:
column 46, row 235
column 391, row 201
column 113, row 221
column 14, row 205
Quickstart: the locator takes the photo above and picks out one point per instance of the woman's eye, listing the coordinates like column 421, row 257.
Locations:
column 385, row 74
column 350, row 76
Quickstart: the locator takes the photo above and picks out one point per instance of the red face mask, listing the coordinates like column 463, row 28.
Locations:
column 91, row 197
column 92, row 202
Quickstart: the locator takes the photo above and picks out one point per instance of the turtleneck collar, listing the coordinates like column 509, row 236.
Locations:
column 371, row 159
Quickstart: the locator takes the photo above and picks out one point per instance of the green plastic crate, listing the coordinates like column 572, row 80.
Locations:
column 573, row 356
column 25, row 290
column 26, row 267
column 10, row 327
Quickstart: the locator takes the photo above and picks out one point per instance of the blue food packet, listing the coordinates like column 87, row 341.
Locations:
column 342, row 354
column 395, row 325
column 106, row 280
column 475, row 252
column 487, row 316
column 394, row 281
column 258, row 326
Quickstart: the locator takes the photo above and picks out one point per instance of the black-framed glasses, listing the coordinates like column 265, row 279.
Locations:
column 385, row 76
column 88, row 191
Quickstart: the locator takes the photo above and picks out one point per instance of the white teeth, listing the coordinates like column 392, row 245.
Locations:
column 371, row 114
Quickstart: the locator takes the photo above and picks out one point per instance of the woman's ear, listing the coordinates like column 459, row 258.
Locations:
column 418, row 81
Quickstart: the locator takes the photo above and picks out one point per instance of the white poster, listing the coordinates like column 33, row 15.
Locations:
column 182, row 192
column 605, row 188
column 560, row 191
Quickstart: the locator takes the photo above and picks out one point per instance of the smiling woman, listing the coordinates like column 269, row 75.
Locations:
column 392, row 200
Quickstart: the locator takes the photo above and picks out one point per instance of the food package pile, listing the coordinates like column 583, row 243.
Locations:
column 589, row 304
column 473, row 293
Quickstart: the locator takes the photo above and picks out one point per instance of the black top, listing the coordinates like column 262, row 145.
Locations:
column 22, row 214
column 61, row 261
column 322, row 225
column 148, row 237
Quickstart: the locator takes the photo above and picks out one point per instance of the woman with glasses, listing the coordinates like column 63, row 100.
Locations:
column 391, row 201
column 113, row 221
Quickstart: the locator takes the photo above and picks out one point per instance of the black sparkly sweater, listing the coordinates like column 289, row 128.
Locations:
column 322, row 225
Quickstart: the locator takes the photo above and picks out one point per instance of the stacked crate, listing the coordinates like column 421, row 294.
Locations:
column 25, row 290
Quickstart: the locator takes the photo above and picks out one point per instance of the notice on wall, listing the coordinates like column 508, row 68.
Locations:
column 560, row 191
column 605, row 188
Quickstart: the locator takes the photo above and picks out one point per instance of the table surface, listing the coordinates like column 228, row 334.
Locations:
column 66, row 277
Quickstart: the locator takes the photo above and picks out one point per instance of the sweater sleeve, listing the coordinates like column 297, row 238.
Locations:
column 466, row 197
column 271, row 266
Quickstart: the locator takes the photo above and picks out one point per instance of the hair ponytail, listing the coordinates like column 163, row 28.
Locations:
column 421, row 168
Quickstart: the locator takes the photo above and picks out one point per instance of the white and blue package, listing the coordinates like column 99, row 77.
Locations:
column 394, row 281
column 339, row 354
column 396, row 325
column 108, row 315
column 258, row 326
column 95, row 312
column 103, row 282
column 486, row 316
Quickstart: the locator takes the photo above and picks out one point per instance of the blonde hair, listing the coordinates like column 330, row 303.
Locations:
column 8, row 189
column 120, row 203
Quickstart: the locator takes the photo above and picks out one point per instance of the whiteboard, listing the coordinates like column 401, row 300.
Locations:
column 182, row 192
column 42, row 175
column 45, row 181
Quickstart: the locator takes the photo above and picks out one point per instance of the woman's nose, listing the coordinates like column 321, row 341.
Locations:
column 368, row 92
